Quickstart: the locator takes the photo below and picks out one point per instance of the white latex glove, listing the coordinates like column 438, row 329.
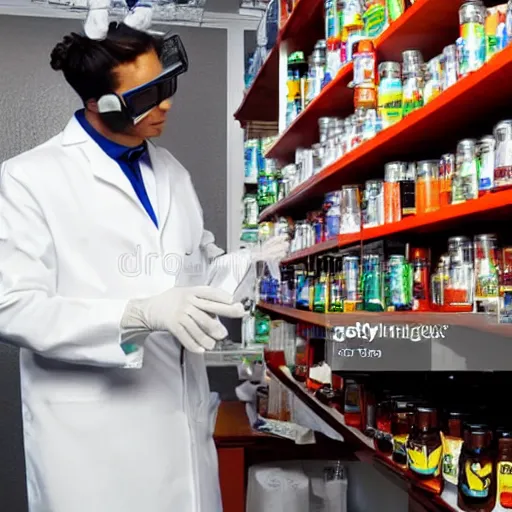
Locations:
column 274, row 249
column 96, row 23
column 189, row 314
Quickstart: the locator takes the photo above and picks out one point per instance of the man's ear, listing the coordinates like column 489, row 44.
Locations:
column 92, row 105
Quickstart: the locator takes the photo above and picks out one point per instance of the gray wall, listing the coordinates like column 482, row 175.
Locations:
column 35, row 104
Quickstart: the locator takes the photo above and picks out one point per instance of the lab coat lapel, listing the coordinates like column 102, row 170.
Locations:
column 102, row 166
column 163, row 175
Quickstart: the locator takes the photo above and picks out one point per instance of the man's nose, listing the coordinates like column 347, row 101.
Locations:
column 165, row 105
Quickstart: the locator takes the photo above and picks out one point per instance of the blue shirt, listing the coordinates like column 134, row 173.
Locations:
column 127, row 158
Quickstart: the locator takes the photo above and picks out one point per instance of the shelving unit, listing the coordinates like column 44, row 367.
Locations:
column 438, row 124
column 468, row 109
column 364, row 446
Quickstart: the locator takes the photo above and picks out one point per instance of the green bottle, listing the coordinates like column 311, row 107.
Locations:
column 321, row 298
column 336, row 286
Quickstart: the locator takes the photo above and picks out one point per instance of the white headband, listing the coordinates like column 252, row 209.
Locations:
column 139, row 17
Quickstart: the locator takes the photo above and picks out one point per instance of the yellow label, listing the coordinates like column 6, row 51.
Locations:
column 399, row 444
column 422, row 462
column 504, row 470
column 451, row 454
column 477, row 479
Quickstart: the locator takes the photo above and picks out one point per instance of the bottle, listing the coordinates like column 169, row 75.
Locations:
column 477, row 480
column 401, row 425
column 424, row 446
column 321, row 288
column 335, row 285
column 353, row 407
column 421, row 279
column 452, row 445
column 504, row 473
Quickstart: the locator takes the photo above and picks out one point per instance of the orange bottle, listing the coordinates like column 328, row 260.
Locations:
column 427, row 187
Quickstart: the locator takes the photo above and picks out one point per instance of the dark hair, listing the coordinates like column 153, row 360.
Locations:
column 88, row 64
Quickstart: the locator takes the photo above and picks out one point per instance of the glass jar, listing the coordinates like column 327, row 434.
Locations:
column 503, row 162
column 427, row 186
column 433, row 80
column 413, row 81
column 471, row 43
column 446, row 172
column 389, row 102
column 449, row 66
column 465, row 180
column 350, row 209
column 393, row 174
column 373, row 208
column 486, row 267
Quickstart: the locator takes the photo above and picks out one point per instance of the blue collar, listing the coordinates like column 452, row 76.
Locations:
column 112, row 149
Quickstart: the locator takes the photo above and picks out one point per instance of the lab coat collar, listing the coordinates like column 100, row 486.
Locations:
column 106, row 169
column 102, row 166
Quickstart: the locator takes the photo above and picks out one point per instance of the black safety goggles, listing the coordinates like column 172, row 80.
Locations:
column 142, row 99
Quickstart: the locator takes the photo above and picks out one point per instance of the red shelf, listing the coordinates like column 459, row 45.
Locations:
column 449, row 115
column 261, row 101
column 478, row 322
column 414, row 29
column 490, row 206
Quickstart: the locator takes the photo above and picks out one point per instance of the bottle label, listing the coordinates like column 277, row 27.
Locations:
column 390, row 101
column 477, row 479
column 451, row 454
column 424, row 460
column 504, row 471
column 471, row 47
column 399, row 445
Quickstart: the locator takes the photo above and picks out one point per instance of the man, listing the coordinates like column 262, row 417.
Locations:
column 114, row 386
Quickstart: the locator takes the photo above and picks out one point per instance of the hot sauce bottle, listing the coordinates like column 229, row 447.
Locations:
column 504, row 473
column 424, row 445
column 477, row 482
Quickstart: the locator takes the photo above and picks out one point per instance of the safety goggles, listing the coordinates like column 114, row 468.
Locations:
column 141, row 100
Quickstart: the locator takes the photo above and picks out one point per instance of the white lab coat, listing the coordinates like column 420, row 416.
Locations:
column 98, row 437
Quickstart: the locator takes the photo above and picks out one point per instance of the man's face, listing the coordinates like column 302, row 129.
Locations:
column 144, row 69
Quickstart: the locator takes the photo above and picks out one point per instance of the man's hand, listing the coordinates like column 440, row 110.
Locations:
column 189, row 314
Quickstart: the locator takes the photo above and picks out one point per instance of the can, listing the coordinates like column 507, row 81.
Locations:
column 351, row 278
column 399, row 284
column 485, row 152
column 503, row 161
column 446, row 171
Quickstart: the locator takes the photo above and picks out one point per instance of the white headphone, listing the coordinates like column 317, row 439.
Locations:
column 139, row 17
